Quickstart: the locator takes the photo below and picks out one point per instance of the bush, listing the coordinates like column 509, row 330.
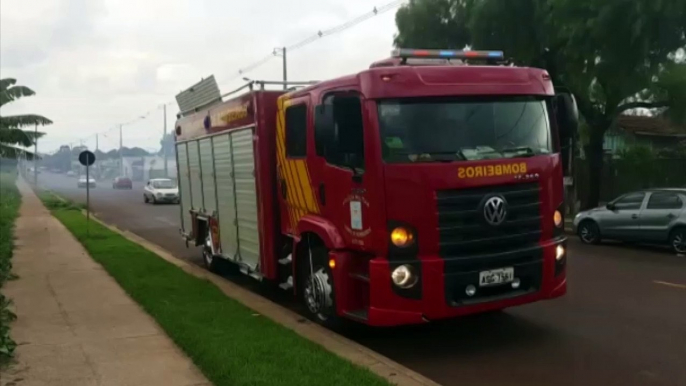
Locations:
column 9, row 208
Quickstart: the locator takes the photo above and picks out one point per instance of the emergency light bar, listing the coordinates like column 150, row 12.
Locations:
column 405, row 53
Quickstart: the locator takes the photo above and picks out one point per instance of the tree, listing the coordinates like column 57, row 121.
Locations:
column 167, row 143
column 11, row 132
column 615, row 56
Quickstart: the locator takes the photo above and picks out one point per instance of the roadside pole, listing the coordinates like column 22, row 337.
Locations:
column 87, row 158
column 285, row 70
column 35, row 155
column 121, row 152
column 281, row 51
column 164, row 141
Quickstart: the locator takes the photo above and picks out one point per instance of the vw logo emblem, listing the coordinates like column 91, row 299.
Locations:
column 495, row 210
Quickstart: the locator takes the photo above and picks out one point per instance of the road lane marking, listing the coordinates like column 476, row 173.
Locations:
column 668, row 284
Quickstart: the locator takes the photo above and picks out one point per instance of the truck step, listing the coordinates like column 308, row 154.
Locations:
column 361, row 315
column 288, row 284
column 286, row 260
column 360, row 276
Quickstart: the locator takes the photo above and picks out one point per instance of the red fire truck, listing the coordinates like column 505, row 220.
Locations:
column 428, row 186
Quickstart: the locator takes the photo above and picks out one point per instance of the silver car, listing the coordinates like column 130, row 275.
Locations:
column 656, row 216
column 159, row 190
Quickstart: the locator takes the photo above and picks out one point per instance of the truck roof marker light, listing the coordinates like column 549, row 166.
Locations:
column 447, row 54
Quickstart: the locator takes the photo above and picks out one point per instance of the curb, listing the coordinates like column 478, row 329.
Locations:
column 378, row 364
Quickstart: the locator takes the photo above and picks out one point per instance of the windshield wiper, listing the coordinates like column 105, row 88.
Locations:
column 455, row 156
column 529, row 152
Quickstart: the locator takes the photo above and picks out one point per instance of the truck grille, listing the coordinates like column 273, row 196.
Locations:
column 463, row 230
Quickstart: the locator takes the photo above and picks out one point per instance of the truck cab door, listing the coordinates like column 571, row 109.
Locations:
column 341, row 182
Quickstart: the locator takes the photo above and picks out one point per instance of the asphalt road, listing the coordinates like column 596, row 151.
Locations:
column 623, row 321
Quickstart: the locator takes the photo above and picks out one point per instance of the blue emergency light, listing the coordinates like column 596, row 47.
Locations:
column 447, row 54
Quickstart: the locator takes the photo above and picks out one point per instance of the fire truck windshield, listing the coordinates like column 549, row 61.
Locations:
column 458, row 129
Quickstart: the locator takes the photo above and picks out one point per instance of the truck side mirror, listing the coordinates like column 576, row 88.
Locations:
column 324, row 132
column 567, row 114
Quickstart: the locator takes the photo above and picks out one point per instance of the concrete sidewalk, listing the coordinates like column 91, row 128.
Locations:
column 75, row 326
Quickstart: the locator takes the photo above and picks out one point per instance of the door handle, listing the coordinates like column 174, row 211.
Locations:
column 634, row 216
column 322, row 194
column 284, row 190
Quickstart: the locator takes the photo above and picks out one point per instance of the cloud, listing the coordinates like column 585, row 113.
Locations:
column 96, row 63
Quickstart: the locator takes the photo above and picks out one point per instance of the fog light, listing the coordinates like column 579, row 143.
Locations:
column 559, row 252
column 516, row 283
column 470, row 290
column 404, row 276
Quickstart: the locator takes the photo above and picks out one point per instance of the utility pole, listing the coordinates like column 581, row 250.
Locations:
column 282, row 51
column 121, row 151
column 164, row 140
column 97, row 167
column 285, row 70
column 35, row 155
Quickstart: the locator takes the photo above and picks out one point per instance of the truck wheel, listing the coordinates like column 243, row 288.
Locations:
column 677, row 240
column 316, row 286
column 589, row 232
column 208, row 258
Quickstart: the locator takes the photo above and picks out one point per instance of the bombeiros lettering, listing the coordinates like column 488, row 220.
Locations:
column 492, row 170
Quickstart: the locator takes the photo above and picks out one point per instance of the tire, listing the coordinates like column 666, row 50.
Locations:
column 154, row 200
column 316, row 287
column 211, row 262
column 677, row 240
column 145, row 199
column 589, row 232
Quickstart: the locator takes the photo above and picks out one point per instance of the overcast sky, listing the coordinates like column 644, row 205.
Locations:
column 97, row 63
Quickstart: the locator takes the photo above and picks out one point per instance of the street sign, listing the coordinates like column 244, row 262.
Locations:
column 87, row 158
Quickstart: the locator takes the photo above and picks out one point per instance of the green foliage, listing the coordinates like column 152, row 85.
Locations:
column 228, row 342
column 11, row 133
column 614, row 55
column 9, row 208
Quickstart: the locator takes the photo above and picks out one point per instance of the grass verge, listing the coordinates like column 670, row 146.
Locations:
column 10, row 199
column 227, row 341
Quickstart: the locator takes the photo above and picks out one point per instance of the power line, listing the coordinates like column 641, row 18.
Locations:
column 295, row 46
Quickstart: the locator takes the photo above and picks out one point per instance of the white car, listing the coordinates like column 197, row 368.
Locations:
column 83, row 182
column 161, row 190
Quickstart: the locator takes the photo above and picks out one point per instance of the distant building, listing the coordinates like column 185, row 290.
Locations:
column 654, row 132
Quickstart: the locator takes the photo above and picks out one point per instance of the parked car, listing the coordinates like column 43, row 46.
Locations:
column 122, row 183
column 656, row 216
column 83, row 182
column 71, row 173
column 161, row 190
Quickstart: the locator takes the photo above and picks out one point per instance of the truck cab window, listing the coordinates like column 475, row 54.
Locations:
column 341, row 141
column 296, row 131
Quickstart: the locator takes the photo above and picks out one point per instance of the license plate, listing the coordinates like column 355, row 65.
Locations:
column 496, row 276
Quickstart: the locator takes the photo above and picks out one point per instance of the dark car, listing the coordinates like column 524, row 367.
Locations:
column 122, row 183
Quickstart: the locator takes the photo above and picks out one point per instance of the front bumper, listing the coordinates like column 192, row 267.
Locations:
column 443, row 282
column 169, row 199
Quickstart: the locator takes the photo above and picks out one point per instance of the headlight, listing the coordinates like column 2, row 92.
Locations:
column 559, row 252
column 557, row 219
column 404, row 276
column 402, row 237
